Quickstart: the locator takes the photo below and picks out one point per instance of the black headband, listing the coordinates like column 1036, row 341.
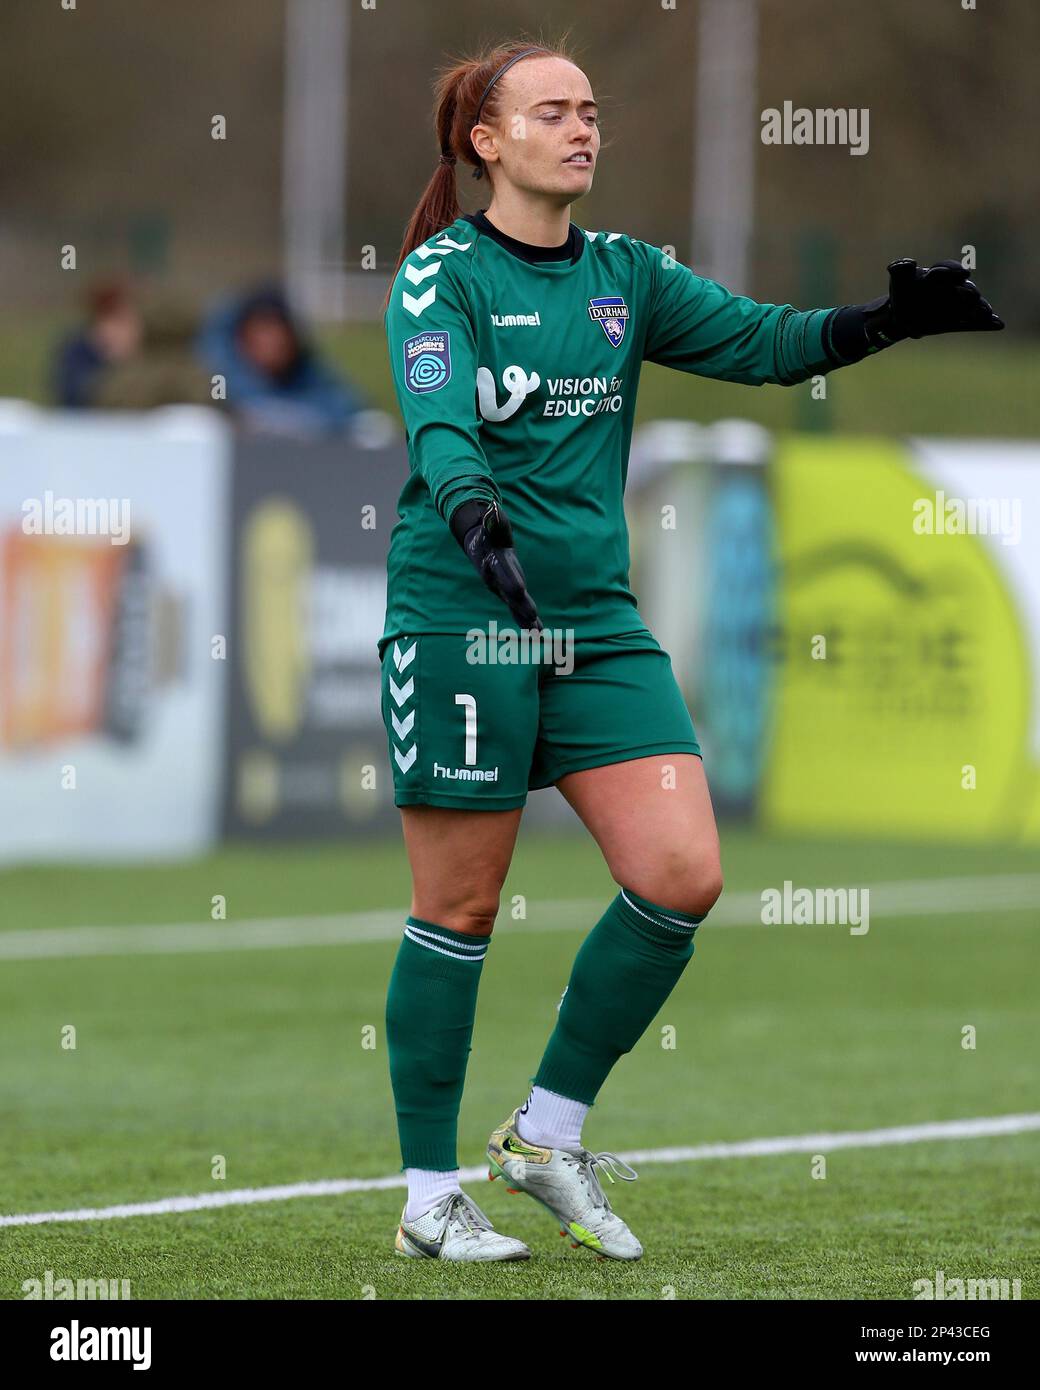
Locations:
column 524, row 53
column 478, row 172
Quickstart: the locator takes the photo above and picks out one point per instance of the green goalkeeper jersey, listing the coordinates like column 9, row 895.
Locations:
column 516, row 370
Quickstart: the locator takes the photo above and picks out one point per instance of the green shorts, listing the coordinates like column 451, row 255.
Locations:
column 479, row 734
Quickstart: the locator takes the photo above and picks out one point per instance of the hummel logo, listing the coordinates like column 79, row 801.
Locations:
column 465, row 774
column 400, row 694
column 517, row 320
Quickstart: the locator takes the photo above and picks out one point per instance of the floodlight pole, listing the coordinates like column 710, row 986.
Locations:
column 726, row 136
column 314, row 153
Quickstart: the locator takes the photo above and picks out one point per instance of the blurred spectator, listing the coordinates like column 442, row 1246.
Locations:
column 112, row 335
column 166, row 371
column 275, row 380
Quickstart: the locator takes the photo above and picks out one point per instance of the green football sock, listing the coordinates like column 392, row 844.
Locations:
column 626, row 968
column 430, row 1007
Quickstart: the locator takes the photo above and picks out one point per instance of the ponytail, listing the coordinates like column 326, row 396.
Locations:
column 463, row 95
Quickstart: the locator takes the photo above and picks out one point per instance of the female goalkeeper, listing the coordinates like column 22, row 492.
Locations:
column 516, row 340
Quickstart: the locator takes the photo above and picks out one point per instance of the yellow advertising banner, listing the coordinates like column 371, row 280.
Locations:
column 904, row 694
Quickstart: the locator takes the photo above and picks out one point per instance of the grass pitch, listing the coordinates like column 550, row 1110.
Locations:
column 258, row 1056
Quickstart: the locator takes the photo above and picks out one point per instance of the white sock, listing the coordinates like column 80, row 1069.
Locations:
column 426, row 1187
column 550, row 1120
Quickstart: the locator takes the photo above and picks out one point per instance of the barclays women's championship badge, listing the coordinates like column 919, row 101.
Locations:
column 611, row 313
column 427, row 362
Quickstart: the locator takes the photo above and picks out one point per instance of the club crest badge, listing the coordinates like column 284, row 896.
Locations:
column 427, row 362
column 611, row 313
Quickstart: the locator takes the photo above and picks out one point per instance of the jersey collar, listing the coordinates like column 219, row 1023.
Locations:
column 571, row 249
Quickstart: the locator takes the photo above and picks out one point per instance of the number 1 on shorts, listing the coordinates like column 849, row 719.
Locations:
column 470, row 705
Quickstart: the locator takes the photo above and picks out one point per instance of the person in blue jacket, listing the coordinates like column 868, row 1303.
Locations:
column 274, row 380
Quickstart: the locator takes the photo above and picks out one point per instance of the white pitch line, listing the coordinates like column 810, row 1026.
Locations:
column 928, row 897
column 746, row 1148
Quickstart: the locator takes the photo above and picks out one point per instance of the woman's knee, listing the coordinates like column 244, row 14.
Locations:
column 471, row 913
column 459, row 862
column 684, row 880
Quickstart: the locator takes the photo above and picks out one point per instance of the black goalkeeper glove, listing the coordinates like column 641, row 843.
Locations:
column 920, row 303
column 484, row 532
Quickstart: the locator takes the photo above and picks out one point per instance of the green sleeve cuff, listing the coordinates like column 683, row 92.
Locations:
column 466, row 490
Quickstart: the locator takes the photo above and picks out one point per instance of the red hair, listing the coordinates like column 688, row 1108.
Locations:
column 457, row 100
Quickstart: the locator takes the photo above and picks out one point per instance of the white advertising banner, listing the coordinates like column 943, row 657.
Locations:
column 992, row 488
column 114, row 542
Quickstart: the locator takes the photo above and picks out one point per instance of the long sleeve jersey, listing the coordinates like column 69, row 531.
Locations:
column 516, row 370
